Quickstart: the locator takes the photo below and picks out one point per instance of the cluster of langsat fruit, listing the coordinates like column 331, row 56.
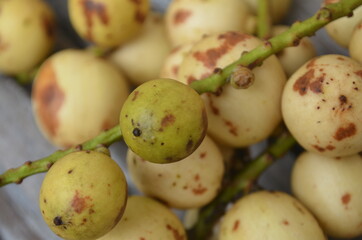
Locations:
column 181, row 143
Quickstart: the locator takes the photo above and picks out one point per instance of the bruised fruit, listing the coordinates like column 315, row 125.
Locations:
column 107, row 23
column 321, row 105
column 83, row 195
column 76, row 95
column 147, row 219
column 163, row 120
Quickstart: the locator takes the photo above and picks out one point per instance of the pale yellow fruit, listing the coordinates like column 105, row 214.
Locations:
column 269, row 215
column 331, row 189
column 237, row 117
column 341, row 29
column 107, row 23
column 76, row 95
column 83, row 195
column 189, row 20
column 147, row 219
column 321, row 105
column 163, row 120
column 141, row 59
column 355, row 46
column 294, row 57
column 278, row 8
column 190, row 183
column 173, row 61
column 26, row 34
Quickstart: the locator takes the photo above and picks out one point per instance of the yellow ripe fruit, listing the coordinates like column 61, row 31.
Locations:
column 107, row 23
column 163, row 120
column 83, row 195
column 26, row 34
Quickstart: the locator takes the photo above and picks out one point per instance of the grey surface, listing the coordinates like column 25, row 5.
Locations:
column 20, row 140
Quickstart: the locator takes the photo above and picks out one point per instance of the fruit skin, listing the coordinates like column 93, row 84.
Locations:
column 83, row 195
column 269, row 215
column 190, row 183
column 26, row 34
column 107, row 23
column 331, row 189
column 146, row 218
column 321, row 105
column 76, row 95
column 354, row 47
column 163, row 120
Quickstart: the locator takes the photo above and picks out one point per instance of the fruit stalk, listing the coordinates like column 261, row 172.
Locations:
column 16, row 175
column 289, row 38
column 210, row 84
column 264, row 21
column 239, row 184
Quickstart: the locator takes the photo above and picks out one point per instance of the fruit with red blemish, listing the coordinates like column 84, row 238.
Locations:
column 341, row 30
column 163, row 120
column 108, row 23
column 83, row 195
column 321, row 105
column 151, row 45
column 354, row 47
column 189, row 20
column 269, row 215
column 190, row 183
column 147, row 219
column 29, row 38
column 76, row 95
column 237, row 118
column 330, row 189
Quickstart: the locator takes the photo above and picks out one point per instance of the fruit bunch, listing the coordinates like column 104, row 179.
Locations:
column 191, row 95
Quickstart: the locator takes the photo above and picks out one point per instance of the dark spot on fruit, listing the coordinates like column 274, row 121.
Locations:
column 232, row 128
column 311, row 63
column 341, row 58
column 316, row 86
column 168, row 120
column 210, row 57
column 330, row 147
column 215, row 110
column 346, row 198
column 359, row 73
column 136, row 132
column 44, row 200
column 79, row 203
column 236, row 225
column 302, row 83
column 176, row 234
column 175, row 70
column 162, row 143
column 189, row 146
column 342, row 99
column 58, row 221
column 135, row 95
column 199, row 190
column 181, row 16
column 49, row 26
column 70, row 171
column 203, row 155
column 90, row 9
column 197, row 177
column 285, row 222
column 48, row 98
column 345, row 132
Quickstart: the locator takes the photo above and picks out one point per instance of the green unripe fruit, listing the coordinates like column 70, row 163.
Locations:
column 163, row 120
column 83, row 196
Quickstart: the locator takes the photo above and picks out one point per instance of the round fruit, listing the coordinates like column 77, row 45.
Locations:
column 26, row 34
column 269, row 215
column 355, row 47
column 146, row 218
column 108, row 23
column 76, row 95
column 189, row 20
column 330, row 188
column 237, row 118
column 163, row 120
column 321, row 105
column 151, row 45
column 83, row 195
column 190, row 183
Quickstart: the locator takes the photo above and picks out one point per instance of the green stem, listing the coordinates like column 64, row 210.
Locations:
column 264, row 22
column 274, row 45
column 16, row 175
column 239, row 184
